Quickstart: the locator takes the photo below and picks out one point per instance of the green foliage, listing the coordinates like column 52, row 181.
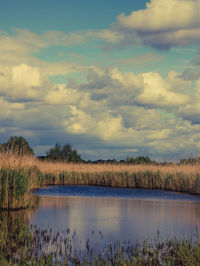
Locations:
column 14, row 237
column 17, row 145
column 138, row 160
column 14, row 188
column 63, row 153
column 190, row 160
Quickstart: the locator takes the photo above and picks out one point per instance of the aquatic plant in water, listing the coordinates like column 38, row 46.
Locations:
column 24, row 245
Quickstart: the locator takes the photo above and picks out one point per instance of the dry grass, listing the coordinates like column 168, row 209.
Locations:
column 174, row 177
column 25, row 162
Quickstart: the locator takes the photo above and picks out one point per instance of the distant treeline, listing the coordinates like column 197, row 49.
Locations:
column 65, row 153
column 190, row 160
column 128, row 160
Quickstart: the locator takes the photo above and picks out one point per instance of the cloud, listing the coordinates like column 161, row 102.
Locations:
column 158, row 92
column 191, row 111
column 101, row 124
column 162, row 24
column 143, row 111
column 26, row 76
column 106, row 35
column 145, row 125
column 21, row 44
column 139, row 61
column 163, row 15
column 148, row 89
column 108, row 113
column 23, row 76
column 20, row 82
column 62, row 95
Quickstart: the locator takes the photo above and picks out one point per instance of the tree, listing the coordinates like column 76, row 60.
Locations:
column 55, row 153
column 17, row 145
column 190, row 160
column 65, row 153
column 138, row 160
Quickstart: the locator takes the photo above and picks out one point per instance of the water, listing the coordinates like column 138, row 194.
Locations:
column 92, row 191
column 116, row 214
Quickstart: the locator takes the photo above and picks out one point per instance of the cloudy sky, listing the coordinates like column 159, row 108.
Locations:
column 112, row 78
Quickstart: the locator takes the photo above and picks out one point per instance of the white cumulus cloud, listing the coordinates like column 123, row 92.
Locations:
column 162, row 24
column 25, row 76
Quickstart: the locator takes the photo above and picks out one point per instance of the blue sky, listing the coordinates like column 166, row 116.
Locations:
column 63, row 15
column 112, row 78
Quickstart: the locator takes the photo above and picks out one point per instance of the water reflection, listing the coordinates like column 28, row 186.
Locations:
column 94, row 222
column 118, row 218
column 14, row 233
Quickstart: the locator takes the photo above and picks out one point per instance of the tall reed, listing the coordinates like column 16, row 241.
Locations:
column 19, row 175
column 14, row 188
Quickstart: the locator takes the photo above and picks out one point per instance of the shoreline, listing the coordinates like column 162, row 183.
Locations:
column 21, row 175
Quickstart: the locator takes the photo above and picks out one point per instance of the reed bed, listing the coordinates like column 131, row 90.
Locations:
column 14, row 188
column 19, row 175
column 12, row 161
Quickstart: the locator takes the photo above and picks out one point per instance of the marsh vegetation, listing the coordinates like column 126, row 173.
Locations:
column 21, row 174
column 24, row 245
column 19, row 244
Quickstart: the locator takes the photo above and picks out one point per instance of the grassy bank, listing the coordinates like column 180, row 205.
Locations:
column 19, row 175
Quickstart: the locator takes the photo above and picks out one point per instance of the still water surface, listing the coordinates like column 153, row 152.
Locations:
column 113, row 214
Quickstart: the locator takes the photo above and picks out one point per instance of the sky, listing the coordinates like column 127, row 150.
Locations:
column 112, row 78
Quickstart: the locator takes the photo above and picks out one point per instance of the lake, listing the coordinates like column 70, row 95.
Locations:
column 116, row 214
